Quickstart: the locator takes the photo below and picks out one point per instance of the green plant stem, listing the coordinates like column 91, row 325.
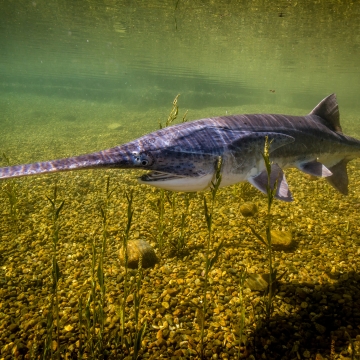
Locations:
column 125, row 238
column 207, row 268
column 209, row 261
column 57, row 321
column 12, row 194
column 100, row 270
column 172, row 201
column 139, row 329
column 243, row 275
column 93, row 298
column 80, row 351
column 55, row 269
column 270, row 198
column 161, row 225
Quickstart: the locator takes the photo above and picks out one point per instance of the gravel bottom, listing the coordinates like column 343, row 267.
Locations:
column 316, row 312
column 316, row 308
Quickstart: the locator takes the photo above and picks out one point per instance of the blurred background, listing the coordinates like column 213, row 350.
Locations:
column 97, row 61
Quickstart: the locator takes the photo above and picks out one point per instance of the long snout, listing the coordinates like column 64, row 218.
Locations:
column 117, row 157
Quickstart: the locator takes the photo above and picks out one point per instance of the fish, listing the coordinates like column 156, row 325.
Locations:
column 184, row 157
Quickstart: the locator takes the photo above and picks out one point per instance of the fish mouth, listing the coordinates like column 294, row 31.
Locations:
column 158, row 176
column 175, row 182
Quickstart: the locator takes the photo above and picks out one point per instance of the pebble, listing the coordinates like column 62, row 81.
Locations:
column 280, row 240
column 257, row 282
column 13, row 328
column 165, row 304
column 248, row 209
column 320, row 328
column 304, row 305
column 137, row 248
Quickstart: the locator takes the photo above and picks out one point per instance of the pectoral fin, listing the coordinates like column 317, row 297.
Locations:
column 260, row 181
column 314, row 168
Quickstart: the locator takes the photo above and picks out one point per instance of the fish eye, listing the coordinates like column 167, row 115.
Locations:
column 142, row 159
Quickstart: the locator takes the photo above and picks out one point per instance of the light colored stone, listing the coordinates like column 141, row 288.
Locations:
column 257, row 282
column 135, row 249
column 280, row 240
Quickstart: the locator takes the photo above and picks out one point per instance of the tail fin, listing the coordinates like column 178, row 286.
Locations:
column 339, row 178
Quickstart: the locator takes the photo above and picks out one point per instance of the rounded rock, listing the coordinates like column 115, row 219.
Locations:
column 248, row 209
column 137, row 249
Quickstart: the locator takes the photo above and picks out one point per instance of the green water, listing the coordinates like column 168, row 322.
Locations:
column 69, row 69
column 80, row 76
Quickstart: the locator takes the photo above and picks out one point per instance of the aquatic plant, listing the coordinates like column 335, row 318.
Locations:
column 161, row 226
column 173, row 113
column 178, row 240
column 270, row 190
column 80, row 324
column 211, row 254
column 55, row 274
column 11, row 192
column 160, row 204
column 133, row 341
column 100, row 269
column 245, row 191
column 91, row 305
column 270, row 193
column 242, row 278
column 96, row 302
column 171, row 198
column 125, row 239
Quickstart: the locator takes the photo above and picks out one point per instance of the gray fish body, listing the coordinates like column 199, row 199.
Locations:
column 183, row 157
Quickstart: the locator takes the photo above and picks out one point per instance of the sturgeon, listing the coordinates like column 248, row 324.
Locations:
column 183, row 157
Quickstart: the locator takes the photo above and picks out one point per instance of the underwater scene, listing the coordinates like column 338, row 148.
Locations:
column 95, row 264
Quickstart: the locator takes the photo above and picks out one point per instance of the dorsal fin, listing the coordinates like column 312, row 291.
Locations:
column 328, row 109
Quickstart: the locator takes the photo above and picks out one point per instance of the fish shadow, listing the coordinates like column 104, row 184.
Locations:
column 322, row 318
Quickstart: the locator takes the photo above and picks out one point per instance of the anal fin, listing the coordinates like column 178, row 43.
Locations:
column 314, row 168
column 260, row 181
column 339, row 178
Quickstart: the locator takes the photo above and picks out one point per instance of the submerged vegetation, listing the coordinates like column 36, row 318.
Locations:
column 11, row 193
column 221, row 289
column 52, row 347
